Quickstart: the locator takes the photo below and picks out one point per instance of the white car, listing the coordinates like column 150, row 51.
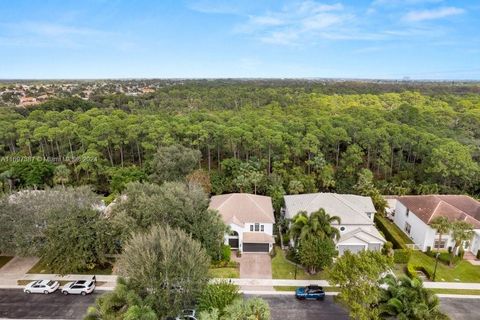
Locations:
column 82, row 287
column 42, row 286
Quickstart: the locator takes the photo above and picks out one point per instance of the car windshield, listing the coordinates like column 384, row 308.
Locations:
column 50, row 283
column 90, row 284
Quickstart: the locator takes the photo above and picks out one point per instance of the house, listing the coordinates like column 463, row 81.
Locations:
column 357, row 229
column 250, row 218
column 413, row 215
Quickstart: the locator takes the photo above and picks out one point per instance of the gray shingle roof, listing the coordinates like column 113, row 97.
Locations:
column 351, row 209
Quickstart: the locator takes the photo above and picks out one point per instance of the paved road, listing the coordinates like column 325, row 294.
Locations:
column 289, row 308
column 15, row 303
column 461, row 309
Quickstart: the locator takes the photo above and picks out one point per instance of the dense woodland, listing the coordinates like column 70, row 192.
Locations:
column 255, row 136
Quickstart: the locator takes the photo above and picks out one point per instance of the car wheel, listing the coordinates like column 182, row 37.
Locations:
column 27, row 291
column 65, row 292
column 46, row 292
column 84, row 293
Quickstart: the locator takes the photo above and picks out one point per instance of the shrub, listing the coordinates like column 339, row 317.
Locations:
column 239, row 253
column 450, row 249
column 292, row 255
column 402, row 256
column 461, row 253
column 412, row 271
column 397, row 241
column 387, row 248
column 429, row 249
column 226, row 252
column 218, row 296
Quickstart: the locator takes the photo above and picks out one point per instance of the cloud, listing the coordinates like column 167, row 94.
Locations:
column 295, row 23
column 422, row 15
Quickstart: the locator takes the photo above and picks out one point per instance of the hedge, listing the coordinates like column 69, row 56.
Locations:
column 412, row 271
column 397, row 241
column 402, row 256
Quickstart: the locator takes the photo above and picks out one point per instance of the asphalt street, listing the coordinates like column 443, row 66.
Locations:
column 14, row 304
column 289, row 308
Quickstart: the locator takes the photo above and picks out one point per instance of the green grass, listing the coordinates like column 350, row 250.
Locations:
column 457, row 291
column 463, row 271
column 4, row 260
column 290, row 288
column 283, row 269
column 224, row 272
column 41, row 268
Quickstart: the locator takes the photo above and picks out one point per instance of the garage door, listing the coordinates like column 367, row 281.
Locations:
column 352, row 248
column 255, row 247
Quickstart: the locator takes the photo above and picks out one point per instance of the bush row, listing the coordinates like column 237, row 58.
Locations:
column 397, row 241
column 412, row 271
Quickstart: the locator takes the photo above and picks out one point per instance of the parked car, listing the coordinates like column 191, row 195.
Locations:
column 82, row 287
column 42, row 286
column 187, row 314
column 310, row 292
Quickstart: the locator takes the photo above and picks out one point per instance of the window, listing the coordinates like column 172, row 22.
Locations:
column 262, row 228
column 407, row 213
column 251, row 227
column 442, row 244
column 257, row 227
column 408, row 227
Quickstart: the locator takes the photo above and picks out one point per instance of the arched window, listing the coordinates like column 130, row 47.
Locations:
column 234, row 233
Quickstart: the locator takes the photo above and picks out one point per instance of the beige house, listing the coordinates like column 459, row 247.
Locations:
column 250, row 218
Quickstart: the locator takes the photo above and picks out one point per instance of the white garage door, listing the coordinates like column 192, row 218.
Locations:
column 351, row 247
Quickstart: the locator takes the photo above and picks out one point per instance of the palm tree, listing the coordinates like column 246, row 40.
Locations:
column 461, row 231
column 442, row 225
column 317, row 225
column 406, row 298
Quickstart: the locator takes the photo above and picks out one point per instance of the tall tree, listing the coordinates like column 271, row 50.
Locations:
column 461, row 231
column 167, row 264
column 173, row 163
column 443, row 226
column 357, row 276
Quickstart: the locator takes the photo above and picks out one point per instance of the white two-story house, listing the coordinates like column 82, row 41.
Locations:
column 413, row 215
column 357, row 229
column 250, row 218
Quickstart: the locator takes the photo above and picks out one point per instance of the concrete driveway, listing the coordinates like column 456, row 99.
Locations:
column 256, row 266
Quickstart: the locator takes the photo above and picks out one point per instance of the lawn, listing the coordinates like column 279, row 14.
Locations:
column 463, row 271
column 4, row 260
column 283, row 269
column 227, row 272
column 456, row 291
column 39, row 267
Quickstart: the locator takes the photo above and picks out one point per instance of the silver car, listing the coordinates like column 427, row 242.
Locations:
column 42, row 286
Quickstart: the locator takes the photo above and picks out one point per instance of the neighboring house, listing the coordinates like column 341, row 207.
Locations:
column 250, row 218
column 357, row 229
column 413, row 214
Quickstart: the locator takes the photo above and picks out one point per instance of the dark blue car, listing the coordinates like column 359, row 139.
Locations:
column 310, row 292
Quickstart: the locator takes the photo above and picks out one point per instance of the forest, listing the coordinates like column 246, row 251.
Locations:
column 274, row 138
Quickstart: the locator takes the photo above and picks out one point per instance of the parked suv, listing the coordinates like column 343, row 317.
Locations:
column 82, row 287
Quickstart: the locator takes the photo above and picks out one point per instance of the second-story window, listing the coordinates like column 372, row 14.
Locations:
column 257, row 227
column 251, row 227
column 262, row 228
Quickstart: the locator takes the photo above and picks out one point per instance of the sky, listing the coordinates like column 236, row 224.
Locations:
column 385, row 39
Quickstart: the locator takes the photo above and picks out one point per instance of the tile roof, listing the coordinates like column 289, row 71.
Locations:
column 257, row 237
column 367, row 234
column 241, row 208
column 454, row 207
column 351, row 209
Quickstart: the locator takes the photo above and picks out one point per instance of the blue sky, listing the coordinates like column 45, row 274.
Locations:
column 420, row 39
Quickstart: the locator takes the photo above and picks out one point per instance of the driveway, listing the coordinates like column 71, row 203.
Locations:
column 19, row 265
column 256, row 266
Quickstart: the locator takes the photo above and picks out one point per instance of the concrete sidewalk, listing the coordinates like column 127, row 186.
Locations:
column 18, row 265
